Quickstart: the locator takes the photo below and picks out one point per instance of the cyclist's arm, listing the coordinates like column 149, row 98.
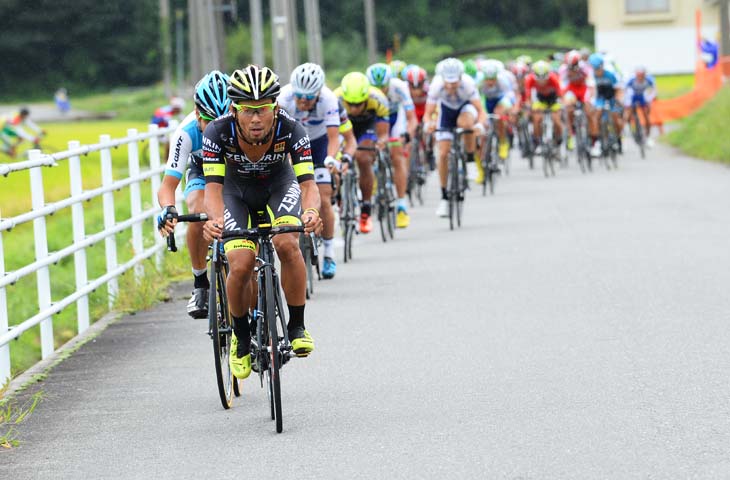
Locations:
column 177, row 161
column 481, row 113
column 20, row 132
column 33, row 126
column 350, row 142
column 333, row 141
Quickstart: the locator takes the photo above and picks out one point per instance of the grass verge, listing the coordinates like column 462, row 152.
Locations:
column 703, row 134
column 671, row 86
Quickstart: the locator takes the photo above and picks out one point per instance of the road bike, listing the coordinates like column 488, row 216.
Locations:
column 457, row 183
column 582, row 139
column 417, row 171
column 349, row 209
column 637, row 130
column 608, row 138
column 385, row 195
column 270, row 346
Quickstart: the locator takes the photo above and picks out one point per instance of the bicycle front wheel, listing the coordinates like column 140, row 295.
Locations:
column 220, row 331
column 273, row 346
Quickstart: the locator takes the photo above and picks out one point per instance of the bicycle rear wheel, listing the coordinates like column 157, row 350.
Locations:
column 638, row 132
column 220, row 331
column 391, row 198
column 453, row 189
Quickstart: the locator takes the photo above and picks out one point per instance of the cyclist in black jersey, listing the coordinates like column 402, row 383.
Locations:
column 246, row 162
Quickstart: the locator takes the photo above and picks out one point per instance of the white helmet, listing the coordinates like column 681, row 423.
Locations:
column 493, row 64
column 451, row 69
column 307, row 79
column 177, row 102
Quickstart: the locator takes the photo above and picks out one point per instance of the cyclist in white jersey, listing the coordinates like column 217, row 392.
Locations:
column 403, row 123
column 309, row 101
column 497, row 90
column 456, row 95
column 185, row 159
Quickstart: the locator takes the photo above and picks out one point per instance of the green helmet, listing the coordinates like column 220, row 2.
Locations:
column 470, row 68
column 355, row 87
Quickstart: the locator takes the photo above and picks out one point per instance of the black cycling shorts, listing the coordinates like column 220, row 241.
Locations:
column 279, row 202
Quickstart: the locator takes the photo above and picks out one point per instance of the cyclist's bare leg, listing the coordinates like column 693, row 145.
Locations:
column 364, row 161
column 400, row 169
column 443, row 146
column 646, row 110
column 557, row 126
column 293, row 273
column 501, row 130
column 238, row 285
column 326, row 211
column 197, row 246
column 467, row 121
column 537, row 124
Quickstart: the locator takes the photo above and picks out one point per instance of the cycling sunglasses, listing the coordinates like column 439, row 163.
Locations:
column 305, row 96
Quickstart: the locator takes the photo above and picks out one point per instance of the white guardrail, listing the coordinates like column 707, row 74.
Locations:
column 43, row 258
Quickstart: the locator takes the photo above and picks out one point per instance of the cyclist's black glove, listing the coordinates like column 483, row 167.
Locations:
column 346, row 158
column 406, row 137
column 169, row 213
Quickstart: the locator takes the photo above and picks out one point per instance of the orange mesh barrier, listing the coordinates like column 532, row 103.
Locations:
column 707, row 83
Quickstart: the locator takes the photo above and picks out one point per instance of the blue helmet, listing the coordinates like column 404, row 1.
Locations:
column 210, row 95
column 378, row 74
column 596, row 60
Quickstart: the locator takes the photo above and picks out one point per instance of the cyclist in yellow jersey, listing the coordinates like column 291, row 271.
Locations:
column 369, row 112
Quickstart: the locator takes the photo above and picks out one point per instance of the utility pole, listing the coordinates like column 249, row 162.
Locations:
column 370, row 31
column 724, row 27
column 179, row 52
column 280, row 38
column 257, row 31
column 314, row 31
column 293, row 33
column 166, row 48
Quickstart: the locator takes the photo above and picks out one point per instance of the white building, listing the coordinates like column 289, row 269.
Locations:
column 659, row 34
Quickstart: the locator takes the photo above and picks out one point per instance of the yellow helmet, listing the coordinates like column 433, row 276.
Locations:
column 355, row 87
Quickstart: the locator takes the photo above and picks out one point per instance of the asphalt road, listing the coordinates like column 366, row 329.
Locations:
column 575, row 327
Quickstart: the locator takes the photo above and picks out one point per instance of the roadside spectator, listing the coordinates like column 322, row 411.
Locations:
column 61, row 98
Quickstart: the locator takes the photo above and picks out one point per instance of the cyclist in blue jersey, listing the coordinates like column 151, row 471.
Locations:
column 185, row 159
column 640, row 91
column 608, row 90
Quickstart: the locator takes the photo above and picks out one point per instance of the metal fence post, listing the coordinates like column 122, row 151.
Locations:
column 110, row 243
column 79, row 230
column 136, row 201
column 41, row 252
column 155, row 164
column 4, row 349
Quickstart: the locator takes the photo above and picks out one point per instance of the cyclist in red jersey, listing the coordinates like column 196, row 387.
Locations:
column 418, row 86
column 543, row 87
column 576, row 78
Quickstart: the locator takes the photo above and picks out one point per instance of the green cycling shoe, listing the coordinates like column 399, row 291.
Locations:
column 301, row 341
column 240, row 366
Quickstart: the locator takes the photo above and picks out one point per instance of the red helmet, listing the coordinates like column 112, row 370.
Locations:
column 416, row 77
column 519, row 69
column 572, row 58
